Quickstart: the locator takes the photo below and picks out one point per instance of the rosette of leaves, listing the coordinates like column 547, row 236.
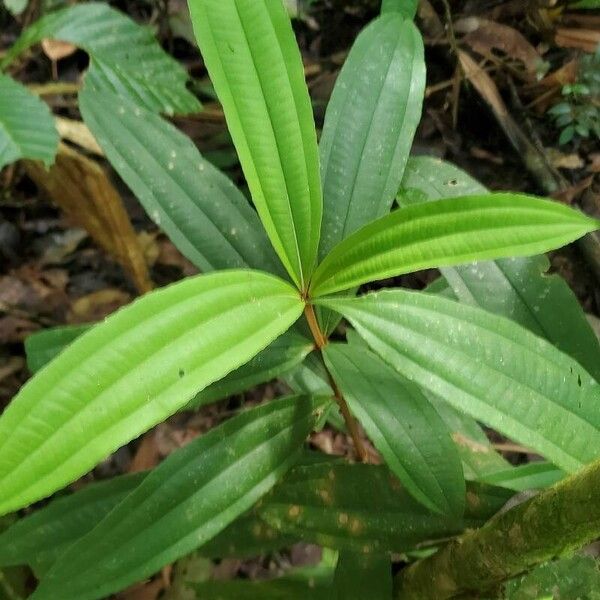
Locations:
column 417, row 369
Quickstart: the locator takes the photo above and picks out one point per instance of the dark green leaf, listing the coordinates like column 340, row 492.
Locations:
column 254, row 63
column 26, row 125
column 489, row 367
column 364, row 508
column 531, row 476
column 189, row 498
column 124, row 57
column 359, row 576
column 369, row 126
column 38, row 539
column 198, row 207
column 132, row 371
column 405, row 428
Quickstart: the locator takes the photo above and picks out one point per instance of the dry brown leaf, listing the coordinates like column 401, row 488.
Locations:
column 565, row 161
column 594, row 166
column 97, row 305
column 78, row 133
column 147, row 454
column 485, row 36
column 56, row 50
column 84, row 192
column 587, row 40
column 143, row 591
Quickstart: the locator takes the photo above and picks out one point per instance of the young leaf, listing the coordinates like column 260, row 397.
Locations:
column 26, row 125
column 449, row 232
column 124, row 57
column 197, row 206
column 407, row 8
column 40, row 538
column 489, row 367
column 530, row 476
column 369, row 126
column 185, row 501
column 517, row 288
column 364, row 508
column 359, row 576
column 42, row 346
column 255, row 65
column 280, row 356
column 404, row 427
column 138, row 367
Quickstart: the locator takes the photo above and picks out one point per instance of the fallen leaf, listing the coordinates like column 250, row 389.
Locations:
column 565, row 161
column 56, row 50
column 78, row 133
column 147, row 454
column 84, row 192
column 97, row 305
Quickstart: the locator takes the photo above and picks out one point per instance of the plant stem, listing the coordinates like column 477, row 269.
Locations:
column 321, row 341
column 562, row 518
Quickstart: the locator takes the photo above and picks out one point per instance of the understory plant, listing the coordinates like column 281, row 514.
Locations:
column 496, row 341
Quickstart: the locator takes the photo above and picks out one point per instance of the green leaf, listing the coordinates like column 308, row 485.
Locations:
column 26, row 125
column 449, row 232
column 255, row 65
column 132, row 371
column 404, row 427
column 16, row 7
column 364, row 508
column 42, row 346
column 359, row 576
column 407, row 8
column 124, row 57
column 517, row 288
column 274, row 589
column 198, row 207
column 573, row 577
column 531, row 476
column 278, row 358
column 369, row 126
column 189, row 498
column 40, row 538
column 489, row 367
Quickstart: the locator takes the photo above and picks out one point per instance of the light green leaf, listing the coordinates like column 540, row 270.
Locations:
column 185, row 501
column 16, row 7
column 359, row 576
column 255, row 65
column 487, row 366
column 530, row 476
column 404, row 427
column 369, row 126
column 278, row 358
column 407, row 8
column 40, row 538
column 26, row 125
column 449, row 232
column 42, row 346
column 124, row 57
column 199, row 208
column 364, row 508
column 138, row 367
column 517, row 288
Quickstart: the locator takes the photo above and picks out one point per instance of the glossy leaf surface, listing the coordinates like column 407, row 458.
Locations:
column 449, row 232
column 405, row 428
column 138, row 367
column 281, row 356
column 198, row 207
column 185, row 501
column 364, row 508
column 369, row 126
column 517, row 288
column 489, row 367
column 125, row 58
column 254, row 63
column 26, row 125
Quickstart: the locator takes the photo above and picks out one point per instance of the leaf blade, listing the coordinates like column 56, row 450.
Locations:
column 26, row 125
column 131, row 372
column 404, row 427
column 490, row 368
column 255, row 66
column 188, row 499
column 448, row 232
column 369, row 126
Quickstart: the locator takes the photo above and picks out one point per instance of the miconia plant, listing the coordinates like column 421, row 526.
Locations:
column 418, row 370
